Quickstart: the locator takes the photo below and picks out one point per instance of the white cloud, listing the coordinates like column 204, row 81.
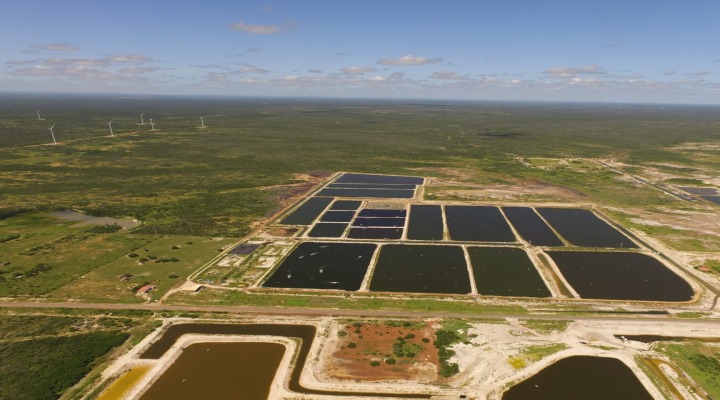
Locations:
column 260, row 29
column 354, row 70
column 50, row 47
column 409, row 59
column 449, row 75
column 699, row 73
column 570, row 72
column 93, row 69
column 251, row 69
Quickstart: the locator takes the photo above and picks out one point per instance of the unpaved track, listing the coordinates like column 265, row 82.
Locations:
column 245, row 310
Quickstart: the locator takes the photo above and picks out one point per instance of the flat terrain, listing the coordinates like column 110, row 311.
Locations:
column 195, row 192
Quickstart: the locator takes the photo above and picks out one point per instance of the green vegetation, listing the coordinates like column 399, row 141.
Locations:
column 45, row 368
column 700, row 361
column 545, row 326
column 533, row 354
column 217, row 181
column 443, row 340
column 49, row 253
column 164, row 267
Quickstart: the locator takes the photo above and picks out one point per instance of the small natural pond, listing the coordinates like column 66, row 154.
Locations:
column 85, row 219
column 581, row 377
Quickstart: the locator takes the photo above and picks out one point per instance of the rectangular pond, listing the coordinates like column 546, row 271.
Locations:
column 307, row 212
column 337, row 216
column 347, row 205
column 375, row 233
column 379, row 222
column 388, row 179
column 368, row 186
column 620, row 276
column 712, row 199
column 506, row 271
column 421, row 269
column 329, row 230
column 426, row 223
column 220, row 371
column 531, row 227
column 700, row 191
column 380, row 212
column 369, row 193
column 583, row 228
column 477, row 224
column 316, row 265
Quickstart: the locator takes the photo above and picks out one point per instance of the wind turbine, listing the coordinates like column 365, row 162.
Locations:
column 38, row 113
column 53, row 134
column 142, row 121
column 152, row 126
column 202, row 123
column 110, row 125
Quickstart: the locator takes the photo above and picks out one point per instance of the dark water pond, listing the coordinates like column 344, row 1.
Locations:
column 421, row 269
column 337, row 216
column 368, row 186
column 702, row 191
column 477, row 224
column 374, row 212
column 389, row 179
column 375, row 233
column 426, row 223
column 583, row 228
column 620, row 276
column 713, row 199
column 531, row 227
column 316, row 265
column 581, row 377
column 505, row 271
column 220, row 371
column 373, row 193
column 306, row 333
column 329, row 230
column 307, row 212
column 380, row 222
column 659, row 338
column 350, row 205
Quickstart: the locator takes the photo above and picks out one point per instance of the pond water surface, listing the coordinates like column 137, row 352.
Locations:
column 477, row 224
column 421, row 269
column 620, row 276
column 581, row 378
column 506, row 271
column 584, row 228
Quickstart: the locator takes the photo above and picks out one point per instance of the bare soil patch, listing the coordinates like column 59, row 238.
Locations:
column 365, row 352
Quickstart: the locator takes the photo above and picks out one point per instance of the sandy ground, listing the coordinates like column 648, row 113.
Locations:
column 485, row 370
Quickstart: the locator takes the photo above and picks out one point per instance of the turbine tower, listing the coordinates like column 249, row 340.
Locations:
column 38, row 114
column 142, row 121
column 53, row 134
column 110, row 125
column 202, row 123
column 152, row 126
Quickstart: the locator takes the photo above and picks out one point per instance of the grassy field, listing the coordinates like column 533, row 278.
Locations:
column 700, row 361
column 47, row 253
column 163, row 263
column 184, row 180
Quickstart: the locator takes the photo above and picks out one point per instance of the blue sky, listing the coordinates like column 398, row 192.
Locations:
column 617, row 51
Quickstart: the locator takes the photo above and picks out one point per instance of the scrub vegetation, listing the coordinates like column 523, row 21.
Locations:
column 699, row 360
